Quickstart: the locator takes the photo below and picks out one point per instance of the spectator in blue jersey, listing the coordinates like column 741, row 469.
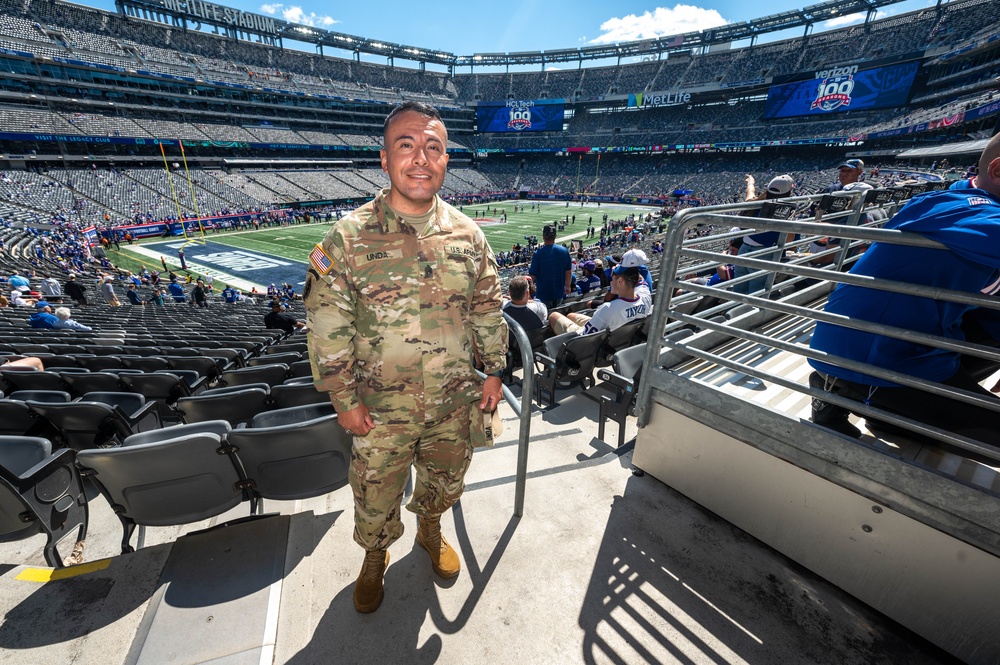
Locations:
column 588, row 281
column 43, row 316
column 288, row 293
column 778, row 188
column 272, row 291
column 552, row 270
column 229, row 294
column 627, row 307
column 176, row 291
column 967, row 222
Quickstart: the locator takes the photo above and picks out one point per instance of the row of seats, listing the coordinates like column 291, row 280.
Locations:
column 173, row 476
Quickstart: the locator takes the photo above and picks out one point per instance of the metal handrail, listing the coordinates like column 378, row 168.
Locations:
column 675, row 246
column 523, row 410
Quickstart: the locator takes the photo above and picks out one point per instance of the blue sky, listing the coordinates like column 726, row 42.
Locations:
column 463, row 27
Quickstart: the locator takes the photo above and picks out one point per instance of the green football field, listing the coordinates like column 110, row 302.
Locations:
column 295, row 242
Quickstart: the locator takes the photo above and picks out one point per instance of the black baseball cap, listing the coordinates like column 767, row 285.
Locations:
column 549, row 231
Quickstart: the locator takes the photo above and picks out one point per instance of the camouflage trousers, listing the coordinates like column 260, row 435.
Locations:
column 380, row 466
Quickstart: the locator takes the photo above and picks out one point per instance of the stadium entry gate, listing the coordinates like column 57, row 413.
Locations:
column 912, row 530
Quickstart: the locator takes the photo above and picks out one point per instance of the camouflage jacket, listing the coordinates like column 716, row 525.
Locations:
column 395, row 319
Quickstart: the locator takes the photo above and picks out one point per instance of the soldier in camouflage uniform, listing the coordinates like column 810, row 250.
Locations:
column 402, row 296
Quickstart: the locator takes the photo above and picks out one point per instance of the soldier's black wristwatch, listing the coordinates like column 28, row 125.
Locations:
column 498, row 374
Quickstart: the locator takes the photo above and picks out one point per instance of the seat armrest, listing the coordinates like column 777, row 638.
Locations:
column 148, row 409
column 617, row 380
column 543, row 359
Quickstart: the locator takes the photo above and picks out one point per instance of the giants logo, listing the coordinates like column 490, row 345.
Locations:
column 520, row 119
column 833, row 93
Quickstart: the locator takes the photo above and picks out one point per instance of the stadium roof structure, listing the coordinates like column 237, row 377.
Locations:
column 194, row 13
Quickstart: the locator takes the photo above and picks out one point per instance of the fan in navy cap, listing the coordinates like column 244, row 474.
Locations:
column 848, row 171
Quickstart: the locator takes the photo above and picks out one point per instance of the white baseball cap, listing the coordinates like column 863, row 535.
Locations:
column 634, row 258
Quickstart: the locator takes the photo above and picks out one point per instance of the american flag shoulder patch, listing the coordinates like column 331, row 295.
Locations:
column 320, row 260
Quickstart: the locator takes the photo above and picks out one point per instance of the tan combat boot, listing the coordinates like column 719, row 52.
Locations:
column 368, row 592
column 444, row 559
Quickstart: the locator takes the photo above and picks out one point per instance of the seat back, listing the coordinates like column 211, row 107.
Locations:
column 177, row 481
column 620, row 338
column 286, row 395
column 43, row 380
column 628, row 362
column 40, row 492
column 578, row 357
column 83, row 425
column 163, row 387
column 40, row 395
column 17, row 419
column 235, row 407
column 294, row 461
column 291, row 415
column 144, row 363
column 129, row 403
column 81, row 384
column 272, row 375
column 275, row 358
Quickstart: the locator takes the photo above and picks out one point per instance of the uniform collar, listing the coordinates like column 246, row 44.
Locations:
column 386, row 220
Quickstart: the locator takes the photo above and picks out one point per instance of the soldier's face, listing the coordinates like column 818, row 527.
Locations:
column 414, row 157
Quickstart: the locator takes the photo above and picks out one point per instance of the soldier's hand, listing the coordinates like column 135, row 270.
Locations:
column 357, row 421
column 492, row 394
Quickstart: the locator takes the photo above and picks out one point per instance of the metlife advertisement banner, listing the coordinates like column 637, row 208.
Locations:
column 841, row 89
column 528, row 115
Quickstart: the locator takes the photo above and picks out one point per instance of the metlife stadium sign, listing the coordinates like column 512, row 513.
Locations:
column 649, row 100
column 524, row 115
column 841, row 89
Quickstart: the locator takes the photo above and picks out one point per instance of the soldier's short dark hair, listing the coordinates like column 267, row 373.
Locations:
column 518, row 288
column 417, row 107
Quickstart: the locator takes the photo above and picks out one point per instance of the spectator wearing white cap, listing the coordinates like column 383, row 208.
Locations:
column 64, row 321
column 108, row 291
column 779, row 187
column 17, row 300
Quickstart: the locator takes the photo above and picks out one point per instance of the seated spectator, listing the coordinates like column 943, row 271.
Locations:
column 157, row 298
column 133, row 295
column 627, row 307
column 589, row 281
column 17, row 300
column 19, row 283
column 964, row 220
column 64, row 322
column 176, row 291
column 530, row 314
column 229, row 294
column 43, row 316
column 22, row 362
column 778, row 188
column 723, row 273
column 279, row 319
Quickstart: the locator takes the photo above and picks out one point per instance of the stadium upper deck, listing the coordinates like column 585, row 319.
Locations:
column 121, row 71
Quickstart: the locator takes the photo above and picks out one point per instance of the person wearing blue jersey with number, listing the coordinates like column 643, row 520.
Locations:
column 967, row 222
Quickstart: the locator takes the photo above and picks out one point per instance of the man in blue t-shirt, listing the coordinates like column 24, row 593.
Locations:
column 552, row 269
column 967, row 221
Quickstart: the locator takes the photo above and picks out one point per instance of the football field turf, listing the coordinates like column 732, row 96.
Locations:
column 289, row 246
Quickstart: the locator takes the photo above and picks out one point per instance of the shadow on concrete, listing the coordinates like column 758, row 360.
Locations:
column 686, row 586
column 392, row 634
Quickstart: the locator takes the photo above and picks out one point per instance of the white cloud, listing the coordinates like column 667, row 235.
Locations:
column 271, row 8
column 850, row 19
column 295, row 14
column 661, row 22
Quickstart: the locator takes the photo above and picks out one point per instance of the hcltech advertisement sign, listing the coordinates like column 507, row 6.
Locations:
column 513, row 115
